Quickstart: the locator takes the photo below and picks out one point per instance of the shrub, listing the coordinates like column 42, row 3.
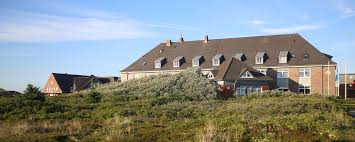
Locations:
column 34, row 93
column 190, row 83
column 93, row 97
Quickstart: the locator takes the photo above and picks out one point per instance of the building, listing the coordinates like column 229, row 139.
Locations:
column 350, row 85
column 67, row 83
column 289, row 63
column 8, row 93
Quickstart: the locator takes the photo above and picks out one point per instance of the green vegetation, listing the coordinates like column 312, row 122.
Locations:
column 180, row 107
column 3, row 92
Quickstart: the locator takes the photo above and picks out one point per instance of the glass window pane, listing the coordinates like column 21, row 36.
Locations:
column 307, row 91
column 285, row 74
column 307, row 73
column 301, row 73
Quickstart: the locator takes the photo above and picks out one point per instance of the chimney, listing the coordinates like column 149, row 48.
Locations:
column 181, row 39
column 168, row 43
column 206, row 39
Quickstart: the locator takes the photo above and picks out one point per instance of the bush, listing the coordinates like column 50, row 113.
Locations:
column 190, row 83
column 93, row 97
column 34, row 93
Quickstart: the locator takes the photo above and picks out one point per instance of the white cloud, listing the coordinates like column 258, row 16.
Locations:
column 294, row 29
column 34, row 27
column 346, row 9
column 257, row 22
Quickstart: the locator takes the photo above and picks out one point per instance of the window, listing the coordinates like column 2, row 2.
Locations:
column 305, row 55
column 241, row 91
column 217, row 60
column 283, row 89
column 196, row 61
column 304, row 72
column 247, row 74
column 282, row 73
column 157, row 65
column 240, row 56
column 282, row 79
column 259, row 61
column 304, row 80
column 259, row 58
column 283, row 56
column 244, row 90
column 263, row 71
column 304, row 89
column 282, row 59
column 176, row 64
column 178, row 61
column 209, row 76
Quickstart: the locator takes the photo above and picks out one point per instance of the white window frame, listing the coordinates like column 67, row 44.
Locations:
column 282, row 71
column 210, row 76
column 263, row 71
column 196, row 62
column 245, row 90
column 242, row 90
column 304, row 88
column 176, row 64
column 302, row 73
column 247, row 74
column 216, row 61
column 282, row 74
column 282, row 60
column 157, row 65
column 259, row 60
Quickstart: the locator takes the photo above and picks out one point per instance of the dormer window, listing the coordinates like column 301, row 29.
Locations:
column 159, row 62
column 217, row 60
column 247, row 74
column 240, row 56
column 283, row 56
column 178, row 61
column 196, row 61
column 306, row 56
column 260, row 58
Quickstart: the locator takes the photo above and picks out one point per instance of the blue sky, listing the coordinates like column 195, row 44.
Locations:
column 100, row 37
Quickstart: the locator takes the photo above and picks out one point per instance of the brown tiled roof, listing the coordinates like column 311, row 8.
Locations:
column 65, row 81
column 249, row 46
column 233, row 69
column 86, row 82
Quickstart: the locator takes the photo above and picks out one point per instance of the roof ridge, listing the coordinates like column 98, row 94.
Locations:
column 241, row 37
column 69, row 74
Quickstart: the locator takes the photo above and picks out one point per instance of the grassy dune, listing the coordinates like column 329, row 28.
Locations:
column 180, row 107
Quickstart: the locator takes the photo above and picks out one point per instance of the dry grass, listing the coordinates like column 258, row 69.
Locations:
column 117, row 127
column 70, row 129
column 208, row 133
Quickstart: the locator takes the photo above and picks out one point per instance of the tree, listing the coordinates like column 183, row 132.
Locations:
column 34, row 93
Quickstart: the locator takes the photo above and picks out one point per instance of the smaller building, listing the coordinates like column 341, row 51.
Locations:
column 350, row 85
column 238, row 77
column 4, row 92
column 59, row 83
